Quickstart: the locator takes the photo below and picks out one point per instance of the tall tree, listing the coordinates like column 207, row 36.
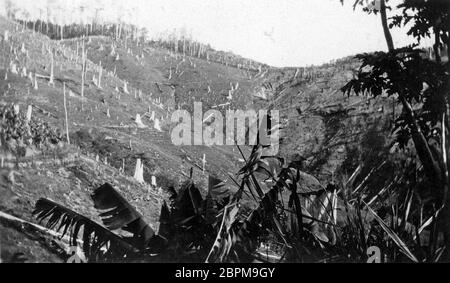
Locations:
column 420, row 85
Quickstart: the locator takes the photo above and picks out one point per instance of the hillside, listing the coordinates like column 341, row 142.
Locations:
column 320, row 125
column 330, row 132
column 104, row 147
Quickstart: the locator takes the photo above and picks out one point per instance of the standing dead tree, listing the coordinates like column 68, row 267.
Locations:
column 65, row 114
column 51, row 82
column 83, row 68
column 100, row 71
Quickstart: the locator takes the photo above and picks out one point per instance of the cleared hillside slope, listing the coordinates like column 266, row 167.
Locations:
column 332, row 133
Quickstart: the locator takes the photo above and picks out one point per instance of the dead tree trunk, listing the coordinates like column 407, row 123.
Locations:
column 83, row 66
column 65, row 114
column 52, row 82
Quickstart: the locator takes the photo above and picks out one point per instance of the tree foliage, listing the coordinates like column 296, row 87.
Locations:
column 420, row 83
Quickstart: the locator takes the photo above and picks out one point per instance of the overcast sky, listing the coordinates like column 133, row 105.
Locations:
column 277, row 32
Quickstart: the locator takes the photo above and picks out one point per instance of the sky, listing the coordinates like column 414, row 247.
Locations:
column 281, row 33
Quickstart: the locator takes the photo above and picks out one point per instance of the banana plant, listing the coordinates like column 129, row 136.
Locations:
column 100, row 243
column 187, row 225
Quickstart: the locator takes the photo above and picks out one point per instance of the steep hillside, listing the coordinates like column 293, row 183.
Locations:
column 148, row 90
column 105, row 140
column 330, row 132
column 173, row 79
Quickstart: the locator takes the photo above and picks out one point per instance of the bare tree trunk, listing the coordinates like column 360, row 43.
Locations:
column 52, row 82
column 83, row 68
column 445, row 155
column 436, row 45
column 100, row 71
column 387, row 33
column 423, row 149
column 65, row 114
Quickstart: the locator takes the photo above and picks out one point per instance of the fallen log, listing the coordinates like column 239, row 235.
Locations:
column 63, row 246
column 25, row 225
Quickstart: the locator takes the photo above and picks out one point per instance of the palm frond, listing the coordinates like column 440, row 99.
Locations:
column 216, row 191
column 395, row 238
column 224, row 242
column 98, row 243
column 165, row 221
column 119, row 214
column 187, row 204
column 216, row 188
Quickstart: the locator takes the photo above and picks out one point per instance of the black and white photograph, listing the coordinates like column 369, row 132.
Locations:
column 237, row 135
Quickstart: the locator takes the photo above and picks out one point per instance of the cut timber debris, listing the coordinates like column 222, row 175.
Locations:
column 138, row 121
column 125, row 87
column 35, row 83
column 139, row 171
column 29, row 111
column 157, row 125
